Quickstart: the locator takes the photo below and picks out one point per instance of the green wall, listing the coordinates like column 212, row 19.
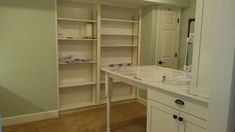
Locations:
column 28, row 80
column 148, row 39
column 186, row 14
column 148, row 35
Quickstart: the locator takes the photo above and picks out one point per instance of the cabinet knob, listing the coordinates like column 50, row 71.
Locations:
column 179, row 102
column 175, row 116
column 160, row 62
column 181, row 119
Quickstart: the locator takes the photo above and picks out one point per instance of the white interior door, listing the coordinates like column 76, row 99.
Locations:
column 168, row 37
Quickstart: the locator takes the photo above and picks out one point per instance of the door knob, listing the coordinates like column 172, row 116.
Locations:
column 160, row 62
column 175, row 116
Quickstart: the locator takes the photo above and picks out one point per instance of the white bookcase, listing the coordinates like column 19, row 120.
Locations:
column 120, row 35
column 77, row 79
column 90, row 36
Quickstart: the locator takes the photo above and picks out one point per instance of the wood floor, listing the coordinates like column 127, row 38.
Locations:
column 129, row 117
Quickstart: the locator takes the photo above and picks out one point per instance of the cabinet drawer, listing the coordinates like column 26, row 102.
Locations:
column 190, row 106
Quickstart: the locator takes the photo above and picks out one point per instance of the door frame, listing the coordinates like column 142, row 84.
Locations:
column 158, row 30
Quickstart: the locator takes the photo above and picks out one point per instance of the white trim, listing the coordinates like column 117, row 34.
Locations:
column 29, row 117
column 57, row 61
column 98, row 54
column 142, row 101
column 197, row 45
column 140, row 36
column 157, row 35
column 101, row 105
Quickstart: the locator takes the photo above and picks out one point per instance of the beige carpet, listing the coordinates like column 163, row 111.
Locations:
column 129, row 117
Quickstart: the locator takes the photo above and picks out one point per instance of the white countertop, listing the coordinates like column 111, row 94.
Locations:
column 152, row 76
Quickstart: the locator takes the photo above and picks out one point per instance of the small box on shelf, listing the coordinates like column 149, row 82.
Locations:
column 71, row 59
column 88, row 36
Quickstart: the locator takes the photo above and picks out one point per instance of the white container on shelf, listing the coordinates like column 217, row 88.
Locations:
column 88, row 30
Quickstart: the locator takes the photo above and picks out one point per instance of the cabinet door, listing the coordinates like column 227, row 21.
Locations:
column 191, row 124
column 160, row 118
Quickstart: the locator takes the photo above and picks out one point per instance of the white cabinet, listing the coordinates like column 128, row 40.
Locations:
column 160, row 118
column 163, row 117
column 191, row 124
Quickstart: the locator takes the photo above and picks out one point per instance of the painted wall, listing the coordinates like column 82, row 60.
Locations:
column 148, row 35
column 186, row 14
column 28, row 80
column 219, row 29
column 148, row 39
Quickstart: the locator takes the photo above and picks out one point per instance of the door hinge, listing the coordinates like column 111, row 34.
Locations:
column 178, row 20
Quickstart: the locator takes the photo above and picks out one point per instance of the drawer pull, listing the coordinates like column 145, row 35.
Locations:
column 175, row 116
column 181, row 119
column 179, row 102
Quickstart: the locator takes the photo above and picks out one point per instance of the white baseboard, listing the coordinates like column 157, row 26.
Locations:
column 46, row 115
column 142, row 101
column 29, row 117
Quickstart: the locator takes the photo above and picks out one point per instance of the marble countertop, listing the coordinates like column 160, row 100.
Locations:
column 154, row 76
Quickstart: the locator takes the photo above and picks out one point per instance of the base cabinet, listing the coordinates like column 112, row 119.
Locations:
column 162, row 118
column 191, row 124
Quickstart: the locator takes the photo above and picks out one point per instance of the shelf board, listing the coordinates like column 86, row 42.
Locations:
column 103, row 45
column 75, row 20
column 85, row 62
column 115, row 81
column 119, row 20
column 76, row 83
column 119, row 34
column 68, row 39
column 119, row 98
column 76, row 105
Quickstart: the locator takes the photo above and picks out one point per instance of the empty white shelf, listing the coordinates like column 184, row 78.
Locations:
column 117, row 99
column 104, row 45
column 76, row 39
column 119, row 34
column 76, row 105
column 115, row 81
column 75, row 83
column 75, row 20
column 119, row 20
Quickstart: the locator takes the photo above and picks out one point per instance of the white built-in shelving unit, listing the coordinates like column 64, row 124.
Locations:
column 119, row 45
column 77, row 79
column 95, row 35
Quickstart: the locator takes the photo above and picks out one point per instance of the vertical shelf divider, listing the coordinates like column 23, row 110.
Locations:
column 98, row 52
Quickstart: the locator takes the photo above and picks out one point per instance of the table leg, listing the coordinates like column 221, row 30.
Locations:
column 108, row 93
